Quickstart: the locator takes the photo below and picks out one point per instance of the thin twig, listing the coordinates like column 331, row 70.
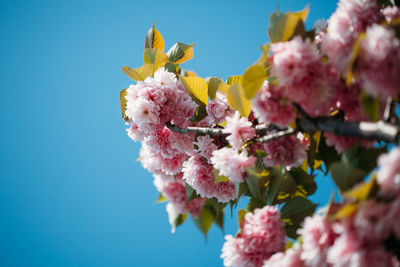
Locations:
column 276, row 135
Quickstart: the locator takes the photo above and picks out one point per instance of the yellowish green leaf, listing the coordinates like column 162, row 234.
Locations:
column 219, row 178
column 353, row 57
column 122, row 101
column 213, row 84
column 237, row 100
column 241, row 214
column 154, row 39
column 235, row 79
column 264, row 56
column 180, row 53
column 196, row 87
column 139, row 74
column 283, row 25
column 161, row 198
column 223, row 87
column 346, row 211
column 156, row 57
column 253, row 79
column 188, row 73
column 363, row 191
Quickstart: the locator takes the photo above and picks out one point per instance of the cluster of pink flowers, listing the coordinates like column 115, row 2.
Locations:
column 261, row 235
column 270, row 106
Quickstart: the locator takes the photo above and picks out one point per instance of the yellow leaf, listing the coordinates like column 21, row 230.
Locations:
column 189, row 73
column 139, row 74
column 156, row 57
column 283, row 25
column 346, row 211
column 196, row 87
column 122, row 101
column 237, row 100
column 154, row 39
column 264, row 56
column 362, row 191
column 352, row 58
column 241, row 214
column 235, row 79
column 253, row 79
column 223, row 87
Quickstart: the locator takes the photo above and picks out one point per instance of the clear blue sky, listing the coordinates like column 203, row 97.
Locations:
column 71, row 190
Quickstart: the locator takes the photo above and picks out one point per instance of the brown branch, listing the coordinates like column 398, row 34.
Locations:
column 366, row 130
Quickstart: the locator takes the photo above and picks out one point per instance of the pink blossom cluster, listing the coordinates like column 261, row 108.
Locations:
column 261, row 235
column 200, row 175
column 288, row 151
column 350, row 18
column 270, row 105
column 303, row 77
column 173, row 188
column 218, row 108
column 239, row 129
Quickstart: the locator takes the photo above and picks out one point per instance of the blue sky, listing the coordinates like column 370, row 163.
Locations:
column 71, row 190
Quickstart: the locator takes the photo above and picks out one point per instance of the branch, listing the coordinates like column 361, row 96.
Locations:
column 366, row 130
column 379, row 130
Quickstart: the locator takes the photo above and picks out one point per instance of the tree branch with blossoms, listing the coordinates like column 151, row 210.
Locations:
column 317, row 102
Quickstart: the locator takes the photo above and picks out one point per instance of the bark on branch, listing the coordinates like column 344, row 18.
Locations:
column 380, row 130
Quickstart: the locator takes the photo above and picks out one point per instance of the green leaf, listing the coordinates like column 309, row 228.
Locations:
column 256, row 181
column 287, row 188
column 346, row 176
column 199, row 114
column 122, row 101
column 304, row 181
column 293, row 213
column 174, row 68
column 139, row 74
column 370, row 105
column 219, row 220
column 241, row 189
column 253, row 79
column 154, row 39
column 283, row 25
column 178, row 221
column 190, row 193
column 273, row 188
column 255, row 203
column 197, row 88
column 327, row 154
column 219, row 178
column 213, row 84
column 237, row 100
column 180, row 52
column 204, row 220
column 161, row 198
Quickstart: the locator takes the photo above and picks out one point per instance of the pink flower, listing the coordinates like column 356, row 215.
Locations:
column 378, row 62
column 391, row 12
column 134, row 132
column 317, row 235
column 368, row 221
column 350, row 18
column 261, row 236
column 349, row 100
column 239, row 129
column 290, row 258
column 389, row 172
column 392, row 218
column 286, row 151
column 153, row 102
column 205, row 147
column 200, row 175
column 232, row 164
column 156, row 163
column 348, row 251
column 218, row 109
column 306, row 80
column 270, row 106
column 341, row 143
